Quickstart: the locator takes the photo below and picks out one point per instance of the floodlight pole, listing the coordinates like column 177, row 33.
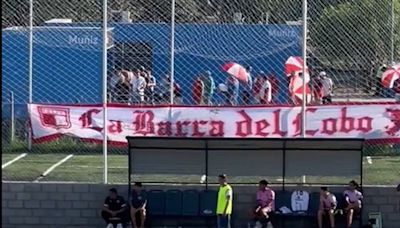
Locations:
column 304, row 70
column 30, row 69
column 172, row 73
column 104, row 74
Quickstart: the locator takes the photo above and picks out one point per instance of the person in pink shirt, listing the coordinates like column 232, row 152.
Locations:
column 327, row 206
column 353, row 199
column 265, row 201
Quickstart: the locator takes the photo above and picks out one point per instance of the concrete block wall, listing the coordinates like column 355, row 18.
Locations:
column 68, row 205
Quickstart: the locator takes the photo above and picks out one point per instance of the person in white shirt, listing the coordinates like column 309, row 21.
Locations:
column 262, row 89
column 327, row 88
column 266, row 92
column 327, row 206
column 138, row 86
column 300, row 201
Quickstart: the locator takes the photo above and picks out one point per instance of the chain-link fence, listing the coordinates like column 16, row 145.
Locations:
column 209, row 53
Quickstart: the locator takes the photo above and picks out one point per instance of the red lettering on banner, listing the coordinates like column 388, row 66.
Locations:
column 394, row 115
column 143, row 122
column 217, row 129
column 86, row 118
column 364, row 124
column 243, row 128
column 181, row 128
column 332, row 121
column 297, row 123
column 260, row 127
column 277, row 124
column 329, row 126
column 115, row 127
column 196, row 128
column 164, row 128
column 347, row 123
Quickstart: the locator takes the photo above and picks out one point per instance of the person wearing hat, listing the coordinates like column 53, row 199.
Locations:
column 327, row 88
column 224, row 202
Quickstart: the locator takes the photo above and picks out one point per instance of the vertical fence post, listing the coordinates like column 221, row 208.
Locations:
column 12, row 110
column 30, row 69
column 392, row 34
column 304, row 56
column 172, row 74
column 104, row 72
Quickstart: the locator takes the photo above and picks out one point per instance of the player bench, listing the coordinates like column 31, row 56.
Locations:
column 176, row 208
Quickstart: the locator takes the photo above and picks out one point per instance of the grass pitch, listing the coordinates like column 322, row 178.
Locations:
column 384, row 170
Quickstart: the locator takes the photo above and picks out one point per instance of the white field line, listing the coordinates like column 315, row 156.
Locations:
column 49, row 170
column 14, row 160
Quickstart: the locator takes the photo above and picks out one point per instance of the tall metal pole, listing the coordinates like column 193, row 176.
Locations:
column 30, row 68
column 392, row 35
column 104, row 72
column 12, row 110
column 172, row 74
column 304, row 56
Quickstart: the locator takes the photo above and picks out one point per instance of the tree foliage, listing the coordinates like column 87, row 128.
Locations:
column 357, row 31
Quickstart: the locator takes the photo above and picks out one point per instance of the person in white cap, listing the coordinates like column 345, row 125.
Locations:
column 222, row 98
column 327, row 88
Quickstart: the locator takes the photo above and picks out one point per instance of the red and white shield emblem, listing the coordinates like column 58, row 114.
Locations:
column 54, row 117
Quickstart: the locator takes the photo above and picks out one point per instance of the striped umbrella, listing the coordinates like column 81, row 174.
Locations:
column 390, row 76
column 294, row 64
column 236, row 70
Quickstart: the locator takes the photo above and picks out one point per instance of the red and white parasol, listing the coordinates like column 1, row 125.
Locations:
column 294, row 64
column 390, row 76
column 236, row 70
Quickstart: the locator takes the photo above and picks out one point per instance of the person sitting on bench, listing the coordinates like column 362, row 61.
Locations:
column 114, row 211
column 352, row 201
column 327, row 206
column 138, row 206
column 265, row 202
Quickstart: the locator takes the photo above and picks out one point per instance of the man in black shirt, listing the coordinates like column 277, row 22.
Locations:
column 138, row 205
column 114, row 210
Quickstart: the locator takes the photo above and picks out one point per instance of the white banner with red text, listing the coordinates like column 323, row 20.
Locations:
column 369, row 121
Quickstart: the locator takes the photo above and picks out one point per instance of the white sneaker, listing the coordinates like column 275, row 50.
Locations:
column 119, row 225
column 110, row 225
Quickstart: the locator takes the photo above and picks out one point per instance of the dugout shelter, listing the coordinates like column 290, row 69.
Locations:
column 245, row 161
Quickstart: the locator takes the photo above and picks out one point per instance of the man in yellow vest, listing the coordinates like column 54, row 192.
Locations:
column 224, row 203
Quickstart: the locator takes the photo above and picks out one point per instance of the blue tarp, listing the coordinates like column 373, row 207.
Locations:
column 67, row 59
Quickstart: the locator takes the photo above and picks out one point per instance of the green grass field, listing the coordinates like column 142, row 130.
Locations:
column 89, row 168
